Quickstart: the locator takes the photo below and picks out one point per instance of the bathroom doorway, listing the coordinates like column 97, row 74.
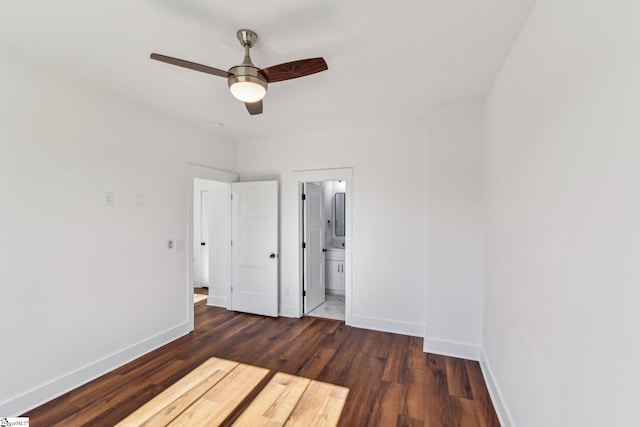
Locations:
column 325, row 175
column 323, row 248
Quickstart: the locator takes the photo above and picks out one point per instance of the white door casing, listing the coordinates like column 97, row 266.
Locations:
column 314, row 242
column 254, row 250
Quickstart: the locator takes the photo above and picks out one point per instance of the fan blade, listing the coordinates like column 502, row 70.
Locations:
column 295, row 69
column 254, row 107
column 190, row 65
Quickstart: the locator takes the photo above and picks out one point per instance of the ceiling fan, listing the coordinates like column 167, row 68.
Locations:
column 247, row 82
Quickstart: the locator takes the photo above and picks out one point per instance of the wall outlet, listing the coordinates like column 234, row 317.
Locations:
column 109, row 198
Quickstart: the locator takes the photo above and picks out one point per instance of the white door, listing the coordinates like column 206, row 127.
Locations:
column 314, row 286
column 204, row 238
column 254, row 250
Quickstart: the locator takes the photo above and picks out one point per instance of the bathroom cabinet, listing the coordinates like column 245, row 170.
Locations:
column 334, row 271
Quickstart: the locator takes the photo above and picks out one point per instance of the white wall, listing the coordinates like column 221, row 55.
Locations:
column 84, row 286
column 563, row 215
column 455, row 244
column 389, row 215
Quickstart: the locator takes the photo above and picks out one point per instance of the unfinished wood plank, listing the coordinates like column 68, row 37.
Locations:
column 320, row 405
column 217, row 403
column 169, row 404
column 275, row 403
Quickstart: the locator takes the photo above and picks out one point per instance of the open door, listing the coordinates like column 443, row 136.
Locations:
column 254, row 251
column 314, row 286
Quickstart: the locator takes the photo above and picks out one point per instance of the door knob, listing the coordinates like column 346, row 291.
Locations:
column 202, row 243
column 272, row 256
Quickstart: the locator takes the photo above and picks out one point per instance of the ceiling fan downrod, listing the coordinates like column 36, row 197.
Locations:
column 247, row 39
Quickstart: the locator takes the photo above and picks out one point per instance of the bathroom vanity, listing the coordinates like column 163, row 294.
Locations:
column 334, row 270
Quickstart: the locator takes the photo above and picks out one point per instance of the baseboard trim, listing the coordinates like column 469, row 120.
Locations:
column 387, row 325
column 44, row 393
column 452, row 348
column 497, row 398
column 217, row 301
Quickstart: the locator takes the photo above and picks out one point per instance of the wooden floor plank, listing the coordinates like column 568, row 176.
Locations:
column 223, row 398
column 320, row 405
column 484, row 407
column 457, row 378
column 437, row 410
column 386, row 408
column 275, row 403
column 436, row 361
column 165, row 407
column 463, row 412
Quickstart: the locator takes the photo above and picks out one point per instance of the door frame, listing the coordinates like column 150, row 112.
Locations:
column 210, row 174
column 320, row 175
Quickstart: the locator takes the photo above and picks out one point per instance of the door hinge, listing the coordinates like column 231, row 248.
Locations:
column 232, row 243
column 304, row 196
column 304, row 293
column 231, row 196
column 304, row 245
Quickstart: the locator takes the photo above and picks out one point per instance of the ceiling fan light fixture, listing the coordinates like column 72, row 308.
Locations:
column 246, row 84
column 248, row 90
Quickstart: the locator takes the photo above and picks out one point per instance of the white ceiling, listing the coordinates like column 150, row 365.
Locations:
column 389, row 61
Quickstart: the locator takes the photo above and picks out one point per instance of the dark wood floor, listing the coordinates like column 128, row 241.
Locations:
column 392, row 381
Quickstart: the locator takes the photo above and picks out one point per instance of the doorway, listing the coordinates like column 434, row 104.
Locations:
column 324, row 235
column 332, row 268
column 217, row 238
column 245, row 213
column 211, row 239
